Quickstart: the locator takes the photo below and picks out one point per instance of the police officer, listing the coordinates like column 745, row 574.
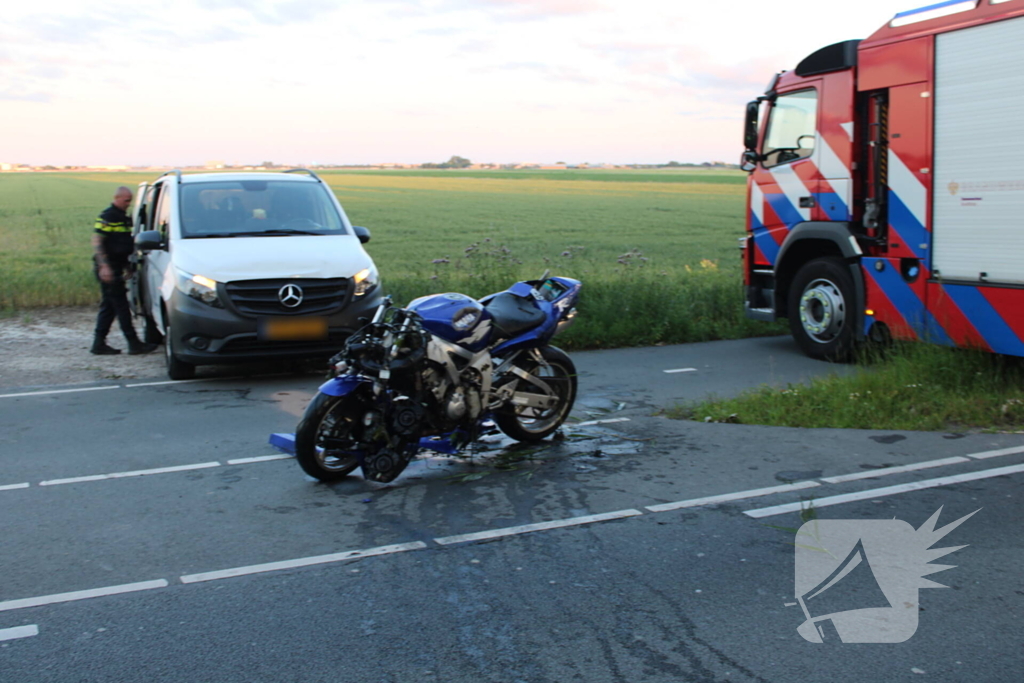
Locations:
column 112, row 246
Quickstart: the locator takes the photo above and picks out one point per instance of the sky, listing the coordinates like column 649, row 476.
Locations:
column 399, row 81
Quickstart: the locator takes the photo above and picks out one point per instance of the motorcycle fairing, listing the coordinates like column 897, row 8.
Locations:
column 343, row 385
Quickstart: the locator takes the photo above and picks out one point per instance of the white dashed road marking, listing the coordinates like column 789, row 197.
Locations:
column 540, row 526
column 19, row 632
column 136, row 473
column 302, row 562
column 57, row 391
column 726, row 497
column 259, row 458
column 600, row 422
column 678, row 370
column 994, row 454
column 81, row 595
column 883, row 471
column 886, row 491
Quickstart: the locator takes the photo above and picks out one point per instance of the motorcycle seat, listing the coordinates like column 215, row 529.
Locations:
column 513, row 314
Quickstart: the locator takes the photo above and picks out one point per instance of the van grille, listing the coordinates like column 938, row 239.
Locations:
column 261, row 297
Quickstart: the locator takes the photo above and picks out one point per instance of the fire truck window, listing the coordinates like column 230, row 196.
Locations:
column 791, row 128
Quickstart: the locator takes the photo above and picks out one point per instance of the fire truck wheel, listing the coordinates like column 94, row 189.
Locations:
column 821, row 314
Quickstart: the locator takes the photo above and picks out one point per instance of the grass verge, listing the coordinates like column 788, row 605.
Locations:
column 910, row 387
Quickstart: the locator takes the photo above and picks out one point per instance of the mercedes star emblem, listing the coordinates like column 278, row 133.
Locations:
column 290, row 295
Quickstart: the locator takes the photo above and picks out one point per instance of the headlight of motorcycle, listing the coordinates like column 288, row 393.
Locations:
column 366, row 279
column 199, row 288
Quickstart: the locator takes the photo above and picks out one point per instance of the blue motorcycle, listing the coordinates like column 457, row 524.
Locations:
column 439, row 374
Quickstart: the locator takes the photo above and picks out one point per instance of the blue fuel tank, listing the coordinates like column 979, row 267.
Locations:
column 456, row 318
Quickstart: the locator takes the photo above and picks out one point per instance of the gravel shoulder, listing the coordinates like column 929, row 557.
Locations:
column 50, row 346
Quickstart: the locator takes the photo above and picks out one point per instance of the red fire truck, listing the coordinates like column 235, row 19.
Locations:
column 886, row 190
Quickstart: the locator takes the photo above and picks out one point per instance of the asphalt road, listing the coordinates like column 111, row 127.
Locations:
column 148, row 533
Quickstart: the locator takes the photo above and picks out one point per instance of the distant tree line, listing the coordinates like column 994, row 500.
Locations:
column 454, row 162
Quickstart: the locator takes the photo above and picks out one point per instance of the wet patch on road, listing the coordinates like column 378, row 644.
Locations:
column 790, row 476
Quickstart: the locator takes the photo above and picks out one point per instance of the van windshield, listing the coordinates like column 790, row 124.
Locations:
column 237, row 208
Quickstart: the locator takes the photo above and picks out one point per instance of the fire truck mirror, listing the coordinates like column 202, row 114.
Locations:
column 750, row 127
column 805, row 141
column 748, row 161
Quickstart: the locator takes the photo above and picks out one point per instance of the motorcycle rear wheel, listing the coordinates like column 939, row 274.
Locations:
column 326, row 425
column 525, row 423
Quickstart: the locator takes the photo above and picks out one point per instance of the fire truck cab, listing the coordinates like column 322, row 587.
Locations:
column 886, row 190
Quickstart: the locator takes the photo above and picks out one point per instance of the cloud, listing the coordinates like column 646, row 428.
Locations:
column 177, row 38
column 47, row 71
column 551, row 72
column 521, row 10
column 17, row 95
column 475, row 46
column 542, row 9
column 443, row 31
column 76, row 30
column 275, row 13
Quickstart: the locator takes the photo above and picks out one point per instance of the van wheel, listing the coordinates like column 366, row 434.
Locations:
column 176, row 368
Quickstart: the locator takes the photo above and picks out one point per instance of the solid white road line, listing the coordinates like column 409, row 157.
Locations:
column 167, row 381
column 19, row 632
column 600, row 422
column 118, row 386
column 540, row 526
column 886, row 491
column 302, row 562
column 81, row 595
column 726, row 497
column 882, row 471
column 137, row 473
column 995, row 454
column 261, row 458
column 58, row 391
column 678, row 370
column 11, row 487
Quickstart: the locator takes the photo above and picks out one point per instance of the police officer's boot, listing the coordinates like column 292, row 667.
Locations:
column 100, row 348
column 137, row 347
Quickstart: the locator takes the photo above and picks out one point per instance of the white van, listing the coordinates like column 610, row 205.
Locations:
column 247, row 266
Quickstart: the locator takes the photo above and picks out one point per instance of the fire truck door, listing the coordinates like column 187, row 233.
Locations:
column 784, row 185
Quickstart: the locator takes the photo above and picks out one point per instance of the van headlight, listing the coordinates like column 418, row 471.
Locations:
column 366, row 279
column 199, row 288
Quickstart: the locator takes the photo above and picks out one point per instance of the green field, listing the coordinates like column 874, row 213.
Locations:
column 656, row 250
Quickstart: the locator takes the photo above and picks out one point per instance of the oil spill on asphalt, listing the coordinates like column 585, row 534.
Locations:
column 788, row 477
column 585, row 448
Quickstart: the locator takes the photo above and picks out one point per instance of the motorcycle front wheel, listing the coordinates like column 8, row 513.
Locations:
column 324, row 437
column 555, row 377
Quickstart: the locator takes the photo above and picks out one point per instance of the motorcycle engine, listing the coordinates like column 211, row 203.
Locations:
column 456, row 403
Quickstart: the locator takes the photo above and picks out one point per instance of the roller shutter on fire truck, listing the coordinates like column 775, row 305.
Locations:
column 978, row 196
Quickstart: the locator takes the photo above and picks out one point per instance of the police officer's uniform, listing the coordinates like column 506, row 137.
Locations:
column 115, row 229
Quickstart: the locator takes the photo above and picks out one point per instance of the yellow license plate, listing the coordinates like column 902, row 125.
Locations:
column 293, row 329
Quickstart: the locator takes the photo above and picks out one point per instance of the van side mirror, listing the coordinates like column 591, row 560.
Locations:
column 149, row 240
column 362, row 233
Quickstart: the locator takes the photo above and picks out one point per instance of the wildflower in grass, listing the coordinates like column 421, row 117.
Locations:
column 708, row 264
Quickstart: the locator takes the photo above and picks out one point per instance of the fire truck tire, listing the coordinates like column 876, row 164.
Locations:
column 821, row 313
